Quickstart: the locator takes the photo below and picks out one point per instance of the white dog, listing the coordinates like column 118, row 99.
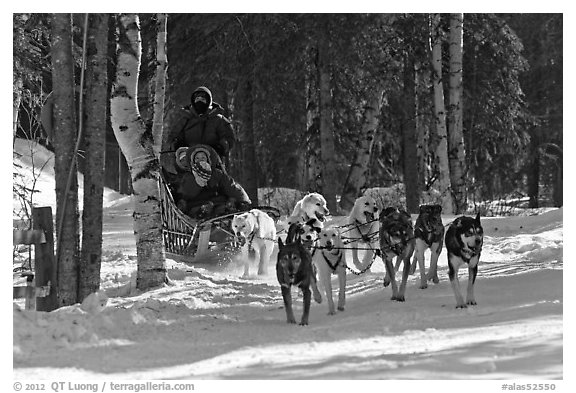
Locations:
column 330, row 259
column 258, row 232
column 311, row 206
column 363, row 228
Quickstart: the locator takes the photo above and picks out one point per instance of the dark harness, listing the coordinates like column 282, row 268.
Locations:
column 333, row 266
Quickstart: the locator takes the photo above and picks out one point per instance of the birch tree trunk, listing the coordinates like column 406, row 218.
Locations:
column 137, row 144
column 16, row 105
column 357, row 176
column 441, row 158
column 95, row 146
column 64, row 115
column 456, row 151
column 160, row 83
column 327, row 149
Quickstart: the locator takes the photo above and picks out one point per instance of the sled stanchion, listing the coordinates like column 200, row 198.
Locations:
column 203, row 240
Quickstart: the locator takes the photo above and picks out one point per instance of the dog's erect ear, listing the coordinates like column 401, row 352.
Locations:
column 478, row 218
column 280, row 243
column 458, row 223
column 311, row 222
column 317, row 229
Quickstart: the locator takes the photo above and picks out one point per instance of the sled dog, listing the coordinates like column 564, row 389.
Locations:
column 256, row 230
column 294, row 268
column 429, row 233
column 363, row 228
column 396, row 240
column 464, row 239
column 313, row 205
column 329, row 258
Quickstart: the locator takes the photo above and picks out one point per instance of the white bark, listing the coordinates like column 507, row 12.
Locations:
column 440, row 115
column 456, row 152
column 138, row 147
column 160, row 90
column 357, row 176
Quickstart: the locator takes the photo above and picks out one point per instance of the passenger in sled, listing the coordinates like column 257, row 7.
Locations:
column 204, row 189
column 203, row 122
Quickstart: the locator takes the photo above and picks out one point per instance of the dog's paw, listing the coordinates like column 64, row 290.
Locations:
column 461, row 306
column 304, row 323
column 318, row 298
column 471, row 302
column 291, row 320
column 398, row 298
column 332, row 312
column 423, row 286
column 433, row 278
column 386, row 282
column 340, row 308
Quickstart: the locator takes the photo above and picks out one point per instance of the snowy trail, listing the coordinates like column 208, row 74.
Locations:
column 212, row 324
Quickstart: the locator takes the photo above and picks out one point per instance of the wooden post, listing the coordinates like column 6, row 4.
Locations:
column 44, row 261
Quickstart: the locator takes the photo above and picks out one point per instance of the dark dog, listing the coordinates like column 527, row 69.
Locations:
column 464, row 239
column 294, row 267
column 396, row 240
column 429, row 233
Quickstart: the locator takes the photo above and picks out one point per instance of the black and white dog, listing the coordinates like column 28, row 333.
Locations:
column 396, row 241
column 464, row 239
column 429, row 233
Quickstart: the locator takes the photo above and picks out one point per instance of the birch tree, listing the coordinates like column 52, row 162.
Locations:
column 160, row 83
column 327, row 147
column 456, row 151
column 137, row 145
column 96, row 112
column 441, row 153
column 358, row 174
column 64, row 114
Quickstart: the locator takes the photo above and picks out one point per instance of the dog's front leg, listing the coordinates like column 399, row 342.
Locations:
column 263, row 263
column 355, row 258
column 287, row 297
column 342, row 293
column 405, row 274
column 327, row 283
column 453, row 276
column 306, row 299
column 246, row 258
column 368, row 257
column 390, row 276
column 435, row 251
column 419, row 256
column 472, row 271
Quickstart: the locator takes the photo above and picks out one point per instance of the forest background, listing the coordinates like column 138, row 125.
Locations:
column 334, row 103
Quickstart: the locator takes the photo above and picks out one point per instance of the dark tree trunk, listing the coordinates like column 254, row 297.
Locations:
column 64, row 113
column 95, row 142
column 410, row 150
column 327, row 145
column 249, row 164
column 533, row 171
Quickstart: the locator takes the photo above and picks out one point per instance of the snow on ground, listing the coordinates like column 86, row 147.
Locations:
column 212, row 324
